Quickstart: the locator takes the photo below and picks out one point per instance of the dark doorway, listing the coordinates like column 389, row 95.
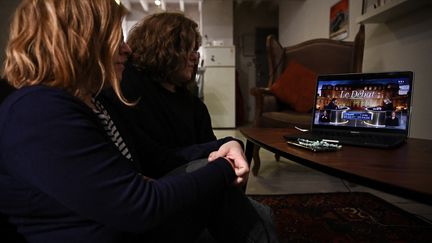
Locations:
column 261, row 66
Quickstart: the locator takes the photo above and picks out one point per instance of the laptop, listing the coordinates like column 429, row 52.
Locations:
column 362, row 109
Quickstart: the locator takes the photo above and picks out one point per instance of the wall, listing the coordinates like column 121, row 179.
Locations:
column 301, row 20
column 217, row 21
column 406, row 44
column 136, row 13
column 402, row 44
column 7, row 8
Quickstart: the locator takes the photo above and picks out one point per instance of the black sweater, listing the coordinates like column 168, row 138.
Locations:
column 63, row 180
column 162, row 123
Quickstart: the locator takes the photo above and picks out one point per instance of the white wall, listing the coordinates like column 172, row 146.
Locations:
column 217, row 21
column 402, row 44
column 136, row 13
column 301, row 20
column 406, row 44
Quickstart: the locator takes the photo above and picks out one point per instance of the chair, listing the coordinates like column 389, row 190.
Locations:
column 322, row 56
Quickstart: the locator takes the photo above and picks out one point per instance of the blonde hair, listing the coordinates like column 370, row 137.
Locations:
column 68, row 44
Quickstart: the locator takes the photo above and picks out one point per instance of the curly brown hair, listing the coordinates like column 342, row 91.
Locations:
column 161, row 42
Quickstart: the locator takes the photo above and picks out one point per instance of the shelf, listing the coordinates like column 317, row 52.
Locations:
column 391, row 10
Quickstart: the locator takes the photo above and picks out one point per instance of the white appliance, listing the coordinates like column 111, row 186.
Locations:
column 219, row 85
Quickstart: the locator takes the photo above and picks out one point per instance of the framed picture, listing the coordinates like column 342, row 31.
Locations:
column 339, row 20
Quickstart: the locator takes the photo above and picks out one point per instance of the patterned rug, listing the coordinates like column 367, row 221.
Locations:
column 343, row 217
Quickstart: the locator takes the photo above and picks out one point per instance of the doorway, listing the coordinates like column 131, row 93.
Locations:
column 261, row 65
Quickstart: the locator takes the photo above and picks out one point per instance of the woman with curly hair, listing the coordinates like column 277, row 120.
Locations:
column 158, row 75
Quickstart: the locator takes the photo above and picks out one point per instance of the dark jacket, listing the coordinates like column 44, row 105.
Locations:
column 5, row 90
column 161, row 122
column 63, row 180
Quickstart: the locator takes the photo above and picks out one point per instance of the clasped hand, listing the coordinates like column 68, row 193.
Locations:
column 233, row 152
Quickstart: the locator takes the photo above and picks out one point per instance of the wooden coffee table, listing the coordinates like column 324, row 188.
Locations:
column 404, row 171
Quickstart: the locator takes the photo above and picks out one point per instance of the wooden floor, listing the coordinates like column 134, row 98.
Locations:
column 287, row 177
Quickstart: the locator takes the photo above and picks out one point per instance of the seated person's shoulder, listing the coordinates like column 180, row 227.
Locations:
column 135, row 82
column 5, row 89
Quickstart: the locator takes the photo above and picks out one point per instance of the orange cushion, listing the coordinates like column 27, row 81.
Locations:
column 296, row 87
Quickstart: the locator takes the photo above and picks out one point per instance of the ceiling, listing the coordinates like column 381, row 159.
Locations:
column 146, row 4
column 180, row 4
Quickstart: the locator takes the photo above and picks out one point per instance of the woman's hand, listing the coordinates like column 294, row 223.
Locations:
column 233, row 152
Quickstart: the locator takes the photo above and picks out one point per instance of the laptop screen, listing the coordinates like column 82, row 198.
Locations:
column 364, row 102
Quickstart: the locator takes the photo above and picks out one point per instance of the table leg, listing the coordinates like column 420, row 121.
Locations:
column 252, row 152
column 249, row 151
column 256, row 159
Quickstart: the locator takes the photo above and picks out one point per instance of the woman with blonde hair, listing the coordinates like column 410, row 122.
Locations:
column 65, row 176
